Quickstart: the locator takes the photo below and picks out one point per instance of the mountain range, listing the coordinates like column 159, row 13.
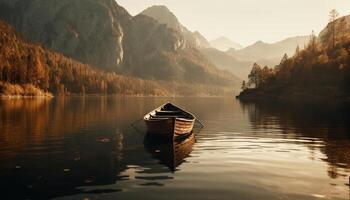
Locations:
column 226, row 54
column 152, row 45
column 104, row 35
column 240, row 62
column 261, row 50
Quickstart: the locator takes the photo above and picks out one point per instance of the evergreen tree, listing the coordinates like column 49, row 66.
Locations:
column 255, row 76
column 333, row 15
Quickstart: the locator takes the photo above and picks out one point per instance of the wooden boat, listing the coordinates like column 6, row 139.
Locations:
column 170, row 121
column 170, row 152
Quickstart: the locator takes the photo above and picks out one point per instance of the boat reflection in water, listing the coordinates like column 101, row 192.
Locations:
column 170, row 152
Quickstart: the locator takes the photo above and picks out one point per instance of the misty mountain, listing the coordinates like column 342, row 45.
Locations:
column 240, row 62
column 103, row 34
column 226, row 62
column 224, row 44
column 164, row 16
column 271, row 52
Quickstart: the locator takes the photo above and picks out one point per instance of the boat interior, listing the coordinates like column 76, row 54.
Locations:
column 169, row 111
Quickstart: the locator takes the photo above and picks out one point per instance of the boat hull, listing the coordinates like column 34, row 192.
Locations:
column 164, row 127
column 169, row 127
column 169, row 120
column 183, row 126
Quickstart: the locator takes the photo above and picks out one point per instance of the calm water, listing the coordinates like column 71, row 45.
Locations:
column 86, row 148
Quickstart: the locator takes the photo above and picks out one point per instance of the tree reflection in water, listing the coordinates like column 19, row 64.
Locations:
column 328, row 123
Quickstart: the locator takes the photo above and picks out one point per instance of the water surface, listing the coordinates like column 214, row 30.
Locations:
column 86, row 148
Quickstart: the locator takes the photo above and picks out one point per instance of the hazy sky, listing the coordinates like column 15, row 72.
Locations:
column 247, row 21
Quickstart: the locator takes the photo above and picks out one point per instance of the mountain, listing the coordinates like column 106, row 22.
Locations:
column 87, row 30
column 200, row 40
column 239, row 62
column 164, row 16
column 31, row 70
column 275, row 51
column 224, row 44
column 103, row 34
column 226, row 62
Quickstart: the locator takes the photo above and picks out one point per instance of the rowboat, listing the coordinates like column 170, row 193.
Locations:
column 170, row 152
column 169, row 120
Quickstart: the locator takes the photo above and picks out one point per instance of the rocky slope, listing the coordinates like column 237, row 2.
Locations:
column 164, row 16
column 103, row 34
column 87, row 30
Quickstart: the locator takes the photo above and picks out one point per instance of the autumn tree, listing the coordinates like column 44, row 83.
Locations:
column 283, row 60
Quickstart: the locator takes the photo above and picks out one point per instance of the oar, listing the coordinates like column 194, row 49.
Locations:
column 200, row 122
column 135, row 127
column 198, row 128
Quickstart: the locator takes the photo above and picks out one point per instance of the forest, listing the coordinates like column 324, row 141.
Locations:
column 321, row 71
column 29, row 70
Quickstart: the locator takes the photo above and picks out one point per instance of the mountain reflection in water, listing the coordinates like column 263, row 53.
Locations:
column 76, row 148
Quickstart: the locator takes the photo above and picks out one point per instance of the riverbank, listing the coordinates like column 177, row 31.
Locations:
column 17, row 91
column 8, row 90
column 295, row 95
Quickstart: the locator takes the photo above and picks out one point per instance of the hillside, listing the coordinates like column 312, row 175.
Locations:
column 224, row 44
column 104, row 35
column 29, row 64
column 319, row 73
column 324, row 34
column 31, row 70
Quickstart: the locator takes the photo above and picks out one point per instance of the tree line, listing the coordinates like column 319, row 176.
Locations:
column 23, row 63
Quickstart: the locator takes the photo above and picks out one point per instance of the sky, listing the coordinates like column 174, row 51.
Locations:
column 248, row 21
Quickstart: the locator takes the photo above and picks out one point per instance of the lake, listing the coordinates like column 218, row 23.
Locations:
column 87, row 148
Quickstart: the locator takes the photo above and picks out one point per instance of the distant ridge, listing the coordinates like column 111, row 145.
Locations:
column 224, row 44
column 274, row 51
column 240, row 61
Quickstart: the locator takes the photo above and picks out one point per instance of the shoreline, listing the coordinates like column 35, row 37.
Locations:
column 292, row 97
column 50, row 96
